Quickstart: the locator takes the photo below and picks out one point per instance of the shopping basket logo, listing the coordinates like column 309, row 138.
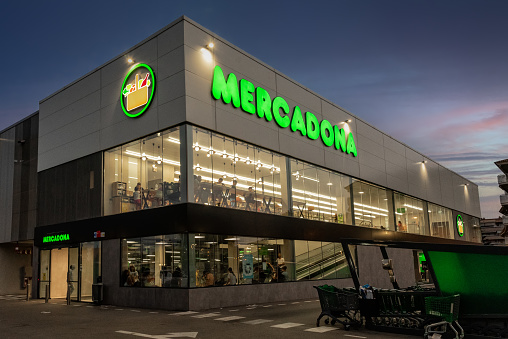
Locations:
column 460, row 226
column 137, row 90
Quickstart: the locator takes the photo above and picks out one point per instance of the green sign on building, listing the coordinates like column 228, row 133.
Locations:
column 257, row 101
column 55, row 238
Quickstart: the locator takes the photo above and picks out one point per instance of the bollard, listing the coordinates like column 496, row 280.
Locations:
column 28, row 292
column 68, row 294
column 47, row 294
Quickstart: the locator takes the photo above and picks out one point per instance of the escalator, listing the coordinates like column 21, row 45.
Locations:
column 321, row 263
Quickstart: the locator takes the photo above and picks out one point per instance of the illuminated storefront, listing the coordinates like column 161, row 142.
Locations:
column 194, row 159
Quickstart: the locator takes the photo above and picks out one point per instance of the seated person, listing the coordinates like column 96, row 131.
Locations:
column 209, row 279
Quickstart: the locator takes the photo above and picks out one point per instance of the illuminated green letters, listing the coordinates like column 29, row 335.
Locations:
column 256, row 100
column 55, row 238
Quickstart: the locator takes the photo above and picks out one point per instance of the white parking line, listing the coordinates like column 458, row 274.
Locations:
column 296, row 302
column 287, row 325
column 354, row 336
column 281, row 304
column 321, row 329
column 307, row 301
column 135, row 311
column 268, row 306
column 251, row 308
column 257, row 321
column 234, row 310
column 229, row 318
column 153, row 312
column 184, row 313
column 206, row 315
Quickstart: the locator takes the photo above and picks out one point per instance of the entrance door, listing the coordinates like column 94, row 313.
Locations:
column 58, row 272
column 75, row 267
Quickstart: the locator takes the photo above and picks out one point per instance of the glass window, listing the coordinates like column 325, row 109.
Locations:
column 90, row 268
column 158, row 261
column 233, row 174
column 409, row 214
column 143, row 174
column 441, row 221
column 371, row 206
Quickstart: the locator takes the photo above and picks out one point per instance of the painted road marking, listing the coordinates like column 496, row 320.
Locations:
column 268, row 306
column 169, row 335
column 251, row 308
column 229, row 318
column 281, row 304
column 296, row 302
column 287, row 325
column 206, row 315
column 234, row 310
column 45, row 312
column 184, row 313
column 89, row 306
column 321, row 329
column 354, row 336
column 257, row 321
column 307, row 301
column 77, row 305
column 153, row 312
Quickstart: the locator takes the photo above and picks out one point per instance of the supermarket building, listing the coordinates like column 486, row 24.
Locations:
column 186, row 156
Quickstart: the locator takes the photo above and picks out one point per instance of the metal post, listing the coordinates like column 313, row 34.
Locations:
column 47, row 294
column 27, row 291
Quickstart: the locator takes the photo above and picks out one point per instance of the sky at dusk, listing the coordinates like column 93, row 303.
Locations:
column 432, row 74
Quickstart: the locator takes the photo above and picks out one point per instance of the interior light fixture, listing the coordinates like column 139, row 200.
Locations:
column 423, row 162
column 198, row 167
column 361, row 192
column 143, row 156
column 207, row 55
column 197, row 147
column 347, row 121
column 210, row 45
column 159, row 160
column 224, row 154
column 329, row 184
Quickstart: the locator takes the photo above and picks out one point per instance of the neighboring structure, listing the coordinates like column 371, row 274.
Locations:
column 157, row 176
column 491, row 230
column 18, row 202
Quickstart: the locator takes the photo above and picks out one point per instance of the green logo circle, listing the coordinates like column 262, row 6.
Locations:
column 460, row 226
column 136, row 96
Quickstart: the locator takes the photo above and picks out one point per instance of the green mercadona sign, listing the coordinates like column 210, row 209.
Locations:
column 55, row 238
column 257, row 101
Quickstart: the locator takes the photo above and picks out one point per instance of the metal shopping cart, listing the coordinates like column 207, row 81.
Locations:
column 446, row 308
column 341, row 305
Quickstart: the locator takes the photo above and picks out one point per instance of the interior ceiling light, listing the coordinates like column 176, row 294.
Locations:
column 143, row 156
column 196, row 147
column 224, row 154
column 198, row 167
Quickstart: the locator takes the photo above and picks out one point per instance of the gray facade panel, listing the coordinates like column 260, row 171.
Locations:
column 7, row 141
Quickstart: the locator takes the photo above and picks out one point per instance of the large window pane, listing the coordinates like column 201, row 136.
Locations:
column 371, row 206
column 409, row 214
column 143, row 174
column 158, row 261
column 441, row 221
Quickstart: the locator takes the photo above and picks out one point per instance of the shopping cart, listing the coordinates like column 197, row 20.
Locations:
column 341, row 305
column 446, row 308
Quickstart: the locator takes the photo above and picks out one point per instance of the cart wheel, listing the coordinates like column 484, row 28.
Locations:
column 347, row 327
column 327, row 321
column 334, row 321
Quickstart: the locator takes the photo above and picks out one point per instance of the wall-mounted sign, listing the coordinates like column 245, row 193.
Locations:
column 99, row 234
column 137, row 90
column 460, row 226
column 55, row 238
column 256, row 100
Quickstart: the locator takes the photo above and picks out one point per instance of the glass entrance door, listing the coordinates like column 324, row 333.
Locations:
column 73, row 273
column 76, row 268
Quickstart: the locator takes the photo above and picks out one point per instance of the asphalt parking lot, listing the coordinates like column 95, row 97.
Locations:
column 36, row 319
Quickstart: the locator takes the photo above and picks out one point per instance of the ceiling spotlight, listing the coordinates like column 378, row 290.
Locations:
column 210, row 45
column 198, row 168
column 236, row 157
column 224, row 154
column 143, row 156
column 130, row 60
column 329, row 184
column 196, row 147
column 361, row 192
column 159, row 160
column 347, row 121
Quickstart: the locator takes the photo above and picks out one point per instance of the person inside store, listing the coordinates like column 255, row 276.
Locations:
column 401, row 227
column 231, row 277
column 136, row 196
column 134, row 276
column 249, row 200
column 176, row 281
column 232, row 197
column 218, row 188
column 209, row 279
column 284, row 274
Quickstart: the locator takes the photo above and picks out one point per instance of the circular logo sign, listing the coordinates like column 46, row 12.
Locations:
column 460, row 226
column 137, row 90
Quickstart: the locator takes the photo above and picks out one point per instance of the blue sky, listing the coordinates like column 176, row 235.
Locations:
column 433, row 74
